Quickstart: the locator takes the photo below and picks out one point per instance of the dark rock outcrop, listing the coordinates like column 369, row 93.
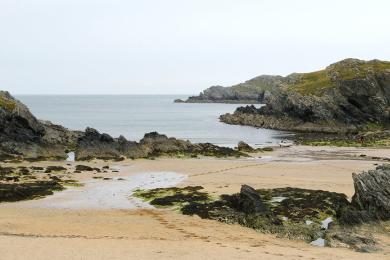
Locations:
column 24, row 136
column 372, row 192
column 250, row 202
column 82, row 168
column 346, row 97
column 102, row 146
column 244, row 147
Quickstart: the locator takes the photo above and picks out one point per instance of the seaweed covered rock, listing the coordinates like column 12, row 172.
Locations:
column 23, row 191
column 250, row 202
column 244, row 147
column 372, row 192
column 83, row 168
column 102, row 146
column 284, row 211
column 163, row 197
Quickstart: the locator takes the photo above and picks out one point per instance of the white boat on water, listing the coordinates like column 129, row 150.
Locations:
column 286, row 143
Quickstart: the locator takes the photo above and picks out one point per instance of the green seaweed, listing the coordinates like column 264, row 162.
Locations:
column 168, row 197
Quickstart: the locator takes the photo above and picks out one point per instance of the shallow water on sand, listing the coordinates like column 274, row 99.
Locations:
column 109, row 194
column 134, row 115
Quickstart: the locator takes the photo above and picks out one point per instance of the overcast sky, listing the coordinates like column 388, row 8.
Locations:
column 178, row 46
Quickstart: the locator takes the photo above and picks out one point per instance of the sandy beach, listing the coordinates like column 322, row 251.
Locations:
column 39, row 230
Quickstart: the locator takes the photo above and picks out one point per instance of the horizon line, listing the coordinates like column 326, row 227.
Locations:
column 99, row 94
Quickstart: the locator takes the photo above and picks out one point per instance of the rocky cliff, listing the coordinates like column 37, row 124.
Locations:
column 23, row 135
column 346, row 97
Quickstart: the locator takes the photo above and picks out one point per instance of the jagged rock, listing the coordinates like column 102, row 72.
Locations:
column 92, row 144
column 24, row 136
column 102, row 146
column 250, row 202
column 372, row 192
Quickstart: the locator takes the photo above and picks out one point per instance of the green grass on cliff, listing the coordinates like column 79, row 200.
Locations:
column 316, row 83
column 313, row 83
column 7, row 104
column 360, row 70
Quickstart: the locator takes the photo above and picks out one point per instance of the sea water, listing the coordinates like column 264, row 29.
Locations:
column 134, row 115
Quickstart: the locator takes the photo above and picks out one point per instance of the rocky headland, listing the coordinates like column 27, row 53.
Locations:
column 347, row 97
column 253, row 91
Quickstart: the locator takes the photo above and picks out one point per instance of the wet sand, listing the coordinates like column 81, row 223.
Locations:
column 35, row 232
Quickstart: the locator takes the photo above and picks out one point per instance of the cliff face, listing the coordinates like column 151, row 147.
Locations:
column 345, row 97
column 252, row 91
column 23, row 135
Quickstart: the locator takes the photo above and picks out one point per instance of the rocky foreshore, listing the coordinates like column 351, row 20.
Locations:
column 24, row 137
column 92, row 145
column 292, row 212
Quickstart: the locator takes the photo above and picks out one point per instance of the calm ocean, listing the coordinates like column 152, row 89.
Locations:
column 135, row 115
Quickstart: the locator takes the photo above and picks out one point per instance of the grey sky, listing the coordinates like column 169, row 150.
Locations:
column 178, row 46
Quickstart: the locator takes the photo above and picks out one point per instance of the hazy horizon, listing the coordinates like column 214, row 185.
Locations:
column 97, row 47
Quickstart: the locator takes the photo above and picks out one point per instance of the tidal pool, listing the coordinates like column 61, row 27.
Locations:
column 114, row 193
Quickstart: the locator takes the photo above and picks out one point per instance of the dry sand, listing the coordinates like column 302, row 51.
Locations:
column 28, row 231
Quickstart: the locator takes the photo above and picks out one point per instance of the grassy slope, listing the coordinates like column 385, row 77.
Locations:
column 316, row 83
column 6, row 103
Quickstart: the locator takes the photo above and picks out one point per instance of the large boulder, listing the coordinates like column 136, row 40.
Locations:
column 250, row 201
column 244, row 147
column 372, row 192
